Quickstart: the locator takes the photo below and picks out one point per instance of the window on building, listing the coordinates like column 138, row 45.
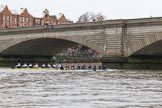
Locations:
column 4, row 17
column 15, row 20
column 20, row 19
column 23, row 19
column 8, row 18
column 30, row 19
column 27, row 19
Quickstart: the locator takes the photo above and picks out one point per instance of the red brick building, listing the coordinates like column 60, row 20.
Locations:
column 25, row 19
column 63, row 20
column 8, row 19
column 37, row 21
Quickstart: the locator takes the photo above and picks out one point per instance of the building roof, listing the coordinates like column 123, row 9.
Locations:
column 25, row 13
column 62, row 18
column 6, row 11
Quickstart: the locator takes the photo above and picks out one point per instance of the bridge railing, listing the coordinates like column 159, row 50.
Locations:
column 64, row 26
column 21, row 29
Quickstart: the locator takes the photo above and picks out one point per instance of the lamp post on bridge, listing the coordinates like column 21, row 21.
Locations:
column 46, row 14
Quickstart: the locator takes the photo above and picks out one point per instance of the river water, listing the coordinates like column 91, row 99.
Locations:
column 107, row 89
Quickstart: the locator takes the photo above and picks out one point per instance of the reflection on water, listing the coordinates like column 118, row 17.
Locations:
column 107, row 89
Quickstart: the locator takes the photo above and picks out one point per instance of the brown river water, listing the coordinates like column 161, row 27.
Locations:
column 27, row 88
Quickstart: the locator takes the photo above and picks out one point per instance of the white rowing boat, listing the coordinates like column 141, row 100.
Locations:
column 58, row 70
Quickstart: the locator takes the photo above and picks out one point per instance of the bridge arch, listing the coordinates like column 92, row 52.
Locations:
column 150, row 45
column 10, row 43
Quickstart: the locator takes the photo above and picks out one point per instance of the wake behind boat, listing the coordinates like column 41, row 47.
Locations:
column 58, row 70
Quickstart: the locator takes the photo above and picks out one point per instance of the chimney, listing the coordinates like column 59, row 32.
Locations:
column 21, row 10
column 59, row 16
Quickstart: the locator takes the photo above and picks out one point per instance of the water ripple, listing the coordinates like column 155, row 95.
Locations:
column 108, row 89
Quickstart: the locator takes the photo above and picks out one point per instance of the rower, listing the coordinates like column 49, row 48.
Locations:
column 58, row 66
column 43, row 65
column 61, row 67
column 94, row 68
column 54, row 66
column 18, row 65
column 89, row 67
column 24, row 65
column 78, row 67
column 75, row 67
column 30, row 65
column 99, row 67
column 36, row 65
column 48, row 65
column 72, row 67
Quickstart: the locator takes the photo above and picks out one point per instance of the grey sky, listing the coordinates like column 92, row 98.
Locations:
column 112, row 9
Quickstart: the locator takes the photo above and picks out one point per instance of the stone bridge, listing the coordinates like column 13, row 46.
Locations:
column 112, row 38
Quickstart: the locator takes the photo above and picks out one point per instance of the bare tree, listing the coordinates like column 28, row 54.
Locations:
column 84, row 17
column 91, row 17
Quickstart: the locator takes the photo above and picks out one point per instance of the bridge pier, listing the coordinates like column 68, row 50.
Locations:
column 139, row 62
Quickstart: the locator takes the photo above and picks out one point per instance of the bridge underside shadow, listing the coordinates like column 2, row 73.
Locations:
column 42, row 47
column 152, row 50
column 39, row 50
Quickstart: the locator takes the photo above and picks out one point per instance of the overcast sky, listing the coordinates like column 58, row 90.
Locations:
column 112, row 9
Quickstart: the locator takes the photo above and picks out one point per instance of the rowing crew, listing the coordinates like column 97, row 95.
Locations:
column 37, row 66
column 59, row 66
